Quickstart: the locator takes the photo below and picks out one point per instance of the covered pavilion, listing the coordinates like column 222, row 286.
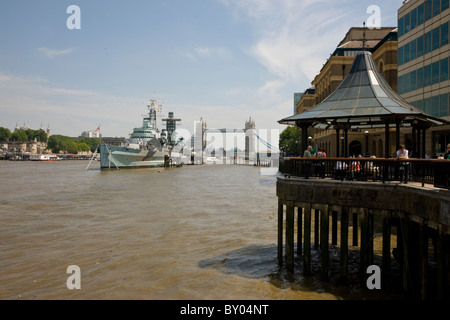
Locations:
column 365, row 100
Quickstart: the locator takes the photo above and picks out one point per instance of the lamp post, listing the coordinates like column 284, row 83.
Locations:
column 342, row 142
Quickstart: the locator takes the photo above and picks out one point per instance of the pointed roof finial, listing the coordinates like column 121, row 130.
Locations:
column 364, row 36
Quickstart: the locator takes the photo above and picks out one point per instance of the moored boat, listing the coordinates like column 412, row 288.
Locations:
column 44, row 157
column 146, row 147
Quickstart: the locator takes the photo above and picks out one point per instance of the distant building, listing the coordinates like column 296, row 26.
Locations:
column 423, row 63
column 91, row 134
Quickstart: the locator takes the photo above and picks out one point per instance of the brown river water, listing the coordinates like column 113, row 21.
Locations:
column 204, row 232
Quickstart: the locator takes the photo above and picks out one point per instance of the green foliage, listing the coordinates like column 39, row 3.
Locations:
column 23, row 135
column 59, row 143
column 19, row 135
column 5, row 133
column 290, row 140
column 92, row 143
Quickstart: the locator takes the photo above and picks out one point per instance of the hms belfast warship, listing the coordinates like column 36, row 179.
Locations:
column 146, row 147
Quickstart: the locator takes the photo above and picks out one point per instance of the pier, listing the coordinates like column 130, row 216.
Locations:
column 325, row 213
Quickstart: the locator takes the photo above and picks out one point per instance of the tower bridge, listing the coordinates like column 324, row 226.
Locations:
column 234, row 146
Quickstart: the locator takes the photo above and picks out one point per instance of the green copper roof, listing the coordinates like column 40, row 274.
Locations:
column 363, row 98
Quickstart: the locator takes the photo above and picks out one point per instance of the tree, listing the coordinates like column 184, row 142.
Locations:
column 91, row 142
column 290, row 140
column 4, row 134
column 19, row 135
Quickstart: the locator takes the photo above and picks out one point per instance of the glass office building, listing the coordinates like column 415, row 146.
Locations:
column 423, row 61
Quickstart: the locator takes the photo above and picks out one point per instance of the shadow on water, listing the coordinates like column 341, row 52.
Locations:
column 260, row 262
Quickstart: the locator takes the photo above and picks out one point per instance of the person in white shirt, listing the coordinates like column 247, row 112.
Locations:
column 402, row 154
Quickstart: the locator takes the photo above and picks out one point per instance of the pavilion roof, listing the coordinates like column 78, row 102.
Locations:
column 363, row 99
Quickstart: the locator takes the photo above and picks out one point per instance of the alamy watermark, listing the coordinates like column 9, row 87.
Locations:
column 74, row 20
column 74, row 280
column 374, row 20
column 374, row 280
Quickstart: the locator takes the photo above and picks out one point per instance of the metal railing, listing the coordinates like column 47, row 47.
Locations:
column 424, row 171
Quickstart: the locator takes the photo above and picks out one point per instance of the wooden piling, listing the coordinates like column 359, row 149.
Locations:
column 441, row 279
column 386, row 265
column 334, row 223
column 364, row 251
column 344, row 245
column 280, row 231
column 307, row 241
column 355, row 229
column 423, row 259
column 290, row 237
column 299, row 230
column 324, row 240
column 316, row 228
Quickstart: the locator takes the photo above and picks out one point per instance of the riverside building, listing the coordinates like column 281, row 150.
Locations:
column 423, row 63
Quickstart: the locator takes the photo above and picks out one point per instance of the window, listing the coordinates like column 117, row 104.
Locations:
column 407, row 23
column 413, row 19
column 435, row 72
column 406, row 84
column 427, row 105
column 444, row 5
column 420, row 78
column 428, row 42
column 401, row 27
column 400, row 85
column 420, row 46
column 413, row 80
column 444, row 70
column 436, row 7
column 444, row 34
column 427, row 75
column 436, row 38
column 406, row 53
column 419, row 105
column 435, row 106
column 444, row 105
column 400, row 56
column 413, row 50
column 428, row 9
column 420, row 14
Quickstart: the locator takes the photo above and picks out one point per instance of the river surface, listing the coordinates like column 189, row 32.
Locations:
column 196, row 232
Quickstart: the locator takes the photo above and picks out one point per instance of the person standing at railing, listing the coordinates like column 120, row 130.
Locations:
column 307, row 154
column 402, row 154
column 447, row 154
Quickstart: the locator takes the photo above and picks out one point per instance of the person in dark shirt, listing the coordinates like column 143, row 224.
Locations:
column 447, row 154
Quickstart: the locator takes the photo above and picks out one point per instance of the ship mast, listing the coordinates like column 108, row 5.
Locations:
column 152, row 114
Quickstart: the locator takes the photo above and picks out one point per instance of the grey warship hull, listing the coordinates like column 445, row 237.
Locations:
column 112, row 157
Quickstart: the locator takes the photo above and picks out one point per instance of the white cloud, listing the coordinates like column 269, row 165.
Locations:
column 51, row 53
column 293, row 35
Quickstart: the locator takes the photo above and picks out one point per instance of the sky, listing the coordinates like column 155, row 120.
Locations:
column 220, row 60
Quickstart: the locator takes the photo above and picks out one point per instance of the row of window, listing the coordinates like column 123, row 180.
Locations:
column 437, row 106
column 426, row 76
column 419, row 15
column 432, row 40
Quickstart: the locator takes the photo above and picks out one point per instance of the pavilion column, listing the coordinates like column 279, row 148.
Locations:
column 304, row 127
column 422, row 155
column 414, row 141
column 386, row 138
column 397, row 133
column 345, row 142
column 337, row 141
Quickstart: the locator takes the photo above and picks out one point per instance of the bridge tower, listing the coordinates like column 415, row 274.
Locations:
column 250, row 139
